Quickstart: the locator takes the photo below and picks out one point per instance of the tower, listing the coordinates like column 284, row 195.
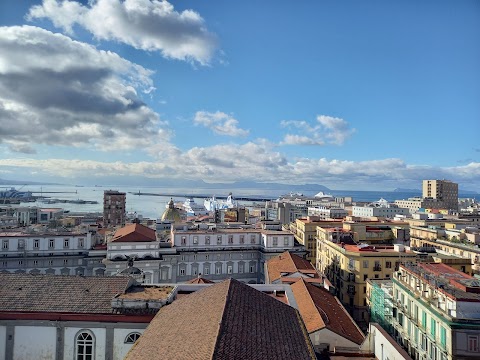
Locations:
column 442, row 190
column 113, row 208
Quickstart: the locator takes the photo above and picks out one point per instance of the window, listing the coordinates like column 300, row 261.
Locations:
column 20, row 262
column 51, row 243
column 433, row 327
column 365, row 264
column 206, row 257
column 50, row 262
column 443, row 337
column 433, row 351
column 240, row 268
column 184, row 240
column 65, row 243
column 285, row 241
column 252, row 239
column 80, row 243
column 275, row 241
column 195, row 257
column 65, row 261
column 424, row 319
column 194, row 270
column 132, row 337
column 182, row 272
column 229, row 269
column 252, row 268
column 36, row 244
column 207, row 240
column 230, row 239
column 195, row 240
column 218, row 270
column 388, row 264
column 206, row 270
column 365, row 277
column 472, row 343
column 84, row 346
column 35, row 262
column 5, row 244
column 242, row 239
column 4, row 264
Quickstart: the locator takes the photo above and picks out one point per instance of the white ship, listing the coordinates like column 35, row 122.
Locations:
column 213, row 204
column 193, row 209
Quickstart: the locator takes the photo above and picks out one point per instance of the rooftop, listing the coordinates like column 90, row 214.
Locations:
column 287, row 264
column 236, row 322
column 134, row 233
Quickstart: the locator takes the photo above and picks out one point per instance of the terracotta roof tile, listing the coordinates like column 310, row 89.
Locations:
column 289, row 263
column 58, row 293
column 200, row 280
column 133, row 233
column 227, row 320
column 320, row 309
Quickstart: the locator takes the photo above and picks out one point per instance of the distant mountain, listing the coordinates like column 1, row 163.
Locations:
column 24, row 182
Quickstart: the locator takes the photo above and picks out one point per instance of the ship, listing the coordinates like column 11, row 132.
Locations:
column 213, row 204
column 13, row 193
column 193, row 209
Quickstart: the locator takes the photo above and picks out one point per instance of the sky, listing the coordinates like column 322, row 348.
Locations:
column 365, row 95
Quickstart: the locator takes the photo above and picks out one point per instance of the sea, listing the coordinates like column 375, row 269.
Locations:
column 153, row 206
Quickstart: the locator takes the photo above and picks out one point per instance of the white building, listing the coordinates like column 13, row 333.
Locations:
column 325, row 212
column 380, row 208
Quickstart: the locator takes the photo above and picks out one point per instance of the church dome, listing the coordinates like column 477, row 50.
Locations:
column 171, row 213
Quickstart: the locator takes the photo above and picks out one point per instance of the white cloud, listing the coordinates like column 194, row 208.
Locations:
column 327, row 130
column 144, row 24
column 220, row 123
column 57, row 91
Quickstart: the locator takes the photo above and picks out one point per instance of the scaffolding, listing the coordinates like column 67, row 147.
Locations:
column 381, row 304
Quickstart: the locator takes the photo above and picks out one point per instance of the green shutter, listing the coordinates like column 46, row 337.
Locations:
column 443, row 337
column 424, row 319
column 432, row 326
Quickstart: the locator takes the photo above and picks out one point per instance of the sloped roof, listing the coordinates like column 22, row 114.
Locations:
column 228, row 320
column 134, row 233
column 200, row 280
column 320, row 309
column 59, row 294
column 289, row 263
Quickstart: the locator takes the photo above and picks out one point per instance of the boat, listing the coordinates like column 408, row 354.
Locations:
column 13, row 193
column 193, row 209
column 213, row 204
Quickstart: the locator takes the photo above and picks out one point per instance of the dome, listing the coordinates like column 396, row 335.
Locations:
column 171, row 213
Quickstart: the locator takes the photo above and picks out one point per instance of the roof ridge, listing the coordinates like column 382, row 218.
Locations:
column 313, row 302
column 221, row 324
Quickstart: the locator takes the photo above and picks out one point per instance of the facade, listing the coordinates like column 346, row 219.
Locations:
column 114, row 208
column 381, row 208
column 327, row 212
column 437, row 313
column 54, row 253
column 442, row 190
column 215, row 252
column 348, row 266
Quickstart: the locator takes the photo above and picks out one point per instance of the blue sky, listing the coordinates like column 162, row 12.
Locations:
column 348, row 94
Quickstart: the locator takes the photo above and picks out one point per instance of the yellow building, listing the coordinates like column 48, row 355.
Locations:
column 305, row 230
column 348, row 266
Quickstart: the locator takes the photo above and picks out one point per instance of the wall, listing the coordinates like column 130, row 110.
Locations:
column 3, row 339
column 32, row 342
column 326, row 336
column 69, row 348
column 120, row 349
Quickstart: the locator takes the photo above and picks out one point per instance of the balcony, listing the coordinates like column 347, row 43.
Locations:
column 377, row 268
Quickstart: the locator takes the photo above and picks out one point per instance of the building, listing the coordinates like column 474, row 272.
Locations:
column 228, row 320
column 348, row 265
column 442, row 190
column 215, row 251
column 381, row 208
column 327, row 212
column 70, row 317
column 47, row 252
column 113, row 208
column 437, row 313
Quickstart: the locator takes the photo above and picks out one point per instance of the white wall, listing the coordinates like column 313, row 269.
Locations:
column 120, row 349
column 326, row 336
column 35, row 343
column 3, row 335
column 69, row 347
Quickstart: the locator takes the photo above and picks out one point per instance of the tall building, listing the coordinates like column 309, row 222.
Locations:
column 113, row 208
column 442, row 190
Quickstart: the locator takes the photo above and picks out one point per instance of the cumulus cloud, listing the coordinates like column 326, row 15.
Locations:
column 144, row 24
column 326, row 130
column 57, row 91
column 220, row 123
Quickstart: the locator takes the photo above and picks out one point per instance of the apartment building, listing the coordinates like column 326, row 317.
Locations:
column 381, row 208
column 348, row 266
column 114, row 208
column 436, row 314
column 442, row 190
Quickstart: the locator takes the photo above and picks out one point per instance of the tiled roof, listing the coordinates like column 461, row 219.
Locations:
column 228, row 320
column 59, row 294
column 287, row 263
column 200, row 280
column 133, row 233
column 320, row 309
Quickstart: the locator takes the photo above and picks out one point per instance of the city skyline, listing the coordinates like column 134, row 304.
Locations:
column 368, row 95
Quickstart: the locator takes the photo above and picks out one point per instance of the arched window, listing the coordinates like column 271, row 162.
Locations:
column 85, row 346
column 132, row 337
